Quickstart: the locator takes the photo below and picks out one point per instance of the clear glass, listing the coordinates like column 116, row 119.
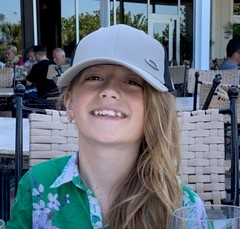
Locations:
column 2, row 224
column 206, row 217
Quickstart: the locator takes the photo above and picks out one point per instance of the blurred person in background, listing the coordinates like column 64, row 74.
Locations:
column 233, row 55
column 59, row 57
column 36, row 80
column 32, row 59
column 12, row 57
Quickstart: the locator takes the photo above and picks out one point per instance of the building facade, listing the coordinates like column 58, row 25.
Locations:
column 190, row 29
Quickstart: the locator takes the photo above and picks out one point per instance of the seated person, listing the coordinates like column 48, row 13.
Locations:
column 12, row 57
column 59, row 57
column 38, row 86
column 59, row 63
column 233, row 55
column 31, row 54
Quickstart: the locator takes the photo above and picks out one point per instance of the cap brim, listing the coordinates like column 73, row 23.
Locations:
column 70, row 73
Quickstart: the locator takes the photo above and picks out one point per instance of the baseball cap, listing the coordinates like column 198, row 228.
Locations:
column 122, row 45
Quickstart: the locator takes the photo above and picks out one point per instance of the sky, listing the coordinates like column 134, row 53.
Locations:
column 11, row 9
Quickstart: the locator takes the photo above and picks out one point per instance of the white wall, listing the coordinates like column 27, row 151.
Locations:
column 220, row 15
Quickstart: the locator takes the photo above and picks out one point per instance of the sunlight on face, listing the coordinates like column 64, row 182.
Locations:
column 107, row 104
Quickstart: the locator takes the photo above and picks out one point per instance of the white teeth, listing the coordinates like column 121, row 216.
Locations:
column 108, row 112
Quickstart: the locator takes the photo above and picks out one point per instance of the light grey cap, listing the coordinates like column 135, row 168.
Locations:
column 121, row 45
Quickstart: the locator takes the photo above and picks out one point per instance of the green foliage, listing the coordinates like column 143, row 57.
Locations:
column 10, row 33
column 232, row 28
column 236, row 9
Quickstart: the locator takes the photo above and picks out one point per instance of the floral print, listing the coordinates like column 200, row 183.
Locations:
column 61, row 200
column 43, row 213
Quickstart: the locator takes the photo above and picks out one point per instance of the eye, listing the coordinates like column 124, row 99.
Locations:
column 134, row 83
column 93, row 78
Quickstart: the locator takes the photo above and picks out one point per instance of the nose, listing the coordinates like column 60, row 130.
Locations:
column 110, row 90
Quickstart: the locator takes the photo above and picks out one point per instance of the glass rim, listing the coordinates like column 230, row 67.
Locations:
column 204, row 206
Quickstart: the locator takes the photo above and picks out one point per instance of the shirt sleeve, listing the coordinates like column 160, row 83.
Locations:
column 32, row 74
column 190, row 197
column 21, row 214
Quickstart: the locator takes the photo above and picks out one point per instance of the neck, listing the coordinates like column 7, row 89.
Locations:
column 101, row 169
column 42, row 58
column 233, row 60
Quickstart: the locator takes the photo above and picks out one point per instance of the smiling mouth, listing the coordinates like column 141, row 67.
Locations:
column 109, row 113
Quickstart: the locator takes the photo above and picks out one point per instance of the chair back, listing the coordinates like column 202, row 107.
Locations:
column 228, row 77
column 203, row 156
column 6, row 77
column 55, row 71
column 220, row 99
column 51, row 135
column 177, row 74
column 202, row 142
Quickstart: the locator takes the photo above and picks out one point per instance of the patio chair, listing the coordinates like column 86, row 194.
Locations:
column 224, row 97
column 51, row 135
column 203, row 163
column 231, row 76
column 55, row 71
column 6, row 77
column 179, row 78
column 6, row 82
column 202, row 137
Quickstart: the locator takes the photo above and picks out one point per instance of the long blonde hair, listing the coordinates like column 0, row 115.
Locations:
column 151, row 191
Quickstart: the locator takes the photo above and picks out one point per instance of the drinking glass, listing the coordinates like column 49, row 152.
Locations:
column 2, row 224
column 206, row 217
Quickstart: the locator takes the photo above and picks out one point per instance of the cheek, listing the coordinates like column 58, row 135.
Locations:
column 80, row 103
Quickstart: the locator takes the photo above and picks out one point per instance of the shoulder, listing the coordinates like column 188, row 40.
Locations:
column 46, row 171
column 228, row 65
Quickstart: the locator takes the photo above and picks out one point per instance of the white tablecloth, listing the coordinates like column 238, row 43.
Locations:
column 7, row 135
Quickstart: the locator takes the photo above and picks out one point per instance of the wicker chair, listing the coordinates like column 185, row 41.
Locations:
column 179, row 78
column 6, row 77
column 177, row 73
column 51, row 135
column 220, row 99
column 228, row 77
column 54, row 71
column 203, row 164
column 202, row 137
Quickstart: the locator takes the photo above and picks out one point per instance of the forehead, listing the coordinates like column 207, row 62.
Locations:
column 57, row 54
column 109, row 67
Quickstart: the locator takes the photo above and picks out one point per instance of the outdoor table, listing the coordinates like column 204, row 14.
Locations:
column 7, row 159
column 6, row 91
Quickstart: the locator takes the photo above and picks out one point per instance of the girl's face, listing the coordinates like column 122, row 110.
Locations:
column 107, row 105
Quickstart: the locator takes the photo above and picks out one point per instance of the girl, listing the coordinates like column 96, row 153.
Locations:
column 125, row 172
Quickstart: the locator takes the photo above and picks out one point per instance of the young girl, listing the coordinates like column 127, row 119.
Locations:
column 124, row 174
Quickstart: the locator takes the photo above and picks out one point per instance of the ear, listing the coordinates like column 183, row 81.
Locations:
column 68, row 102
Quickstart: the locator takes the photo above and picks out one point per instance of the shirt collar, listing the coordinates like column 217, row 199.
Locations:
column 70, row 173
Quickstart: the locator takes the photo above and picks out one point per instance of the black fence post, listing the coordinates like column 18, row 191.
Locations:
column 232, row 111
column 19, row 91
column 195, row 91
column 233, row 95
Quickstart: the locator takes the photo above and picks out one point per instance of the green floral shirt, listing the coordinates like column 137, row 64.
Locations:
column 51, row 195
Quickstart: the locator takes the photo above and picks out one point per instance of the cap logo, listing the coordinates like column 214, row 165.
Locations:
column 152, row 63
